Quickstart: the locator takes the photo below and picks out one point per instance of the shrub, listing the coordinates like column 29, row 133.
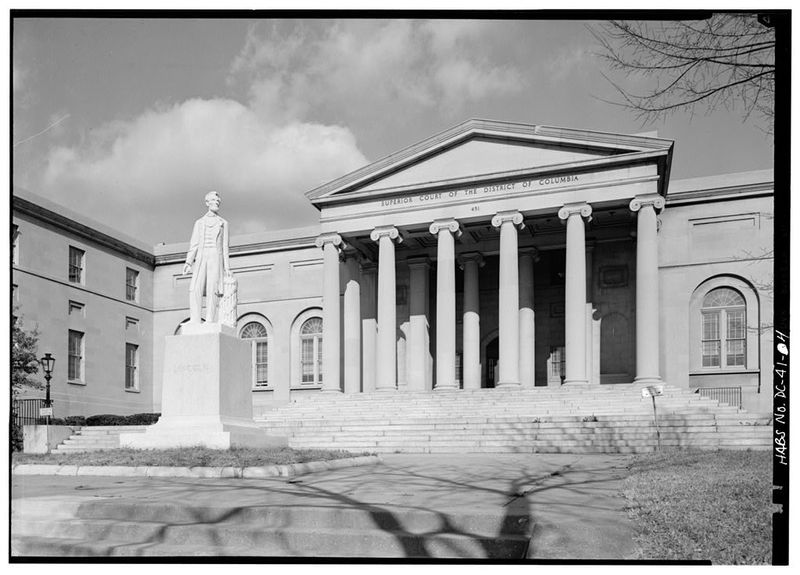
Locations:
column 105, row 419
column 109, row 419
column 142, row 418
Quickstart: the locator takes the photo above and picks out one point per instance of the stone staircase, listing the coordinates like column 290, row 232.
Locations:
column 96, row 438
column 586, row 419
column 102, row 528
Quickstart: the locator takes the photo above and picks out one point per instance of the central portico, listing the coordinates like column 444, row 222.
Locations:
column 489, row 256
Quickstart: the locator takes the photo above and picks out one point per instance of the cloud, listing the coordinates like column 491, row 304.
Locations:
column 158, row 167
column 302, row 90
column 361, row 69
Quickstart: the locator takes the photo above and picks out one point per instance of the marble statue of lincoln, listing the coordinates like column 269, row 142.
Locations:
column 207, row 261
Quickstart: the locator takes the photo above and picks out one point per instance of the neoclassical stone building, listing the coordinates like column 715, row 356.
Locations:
column 490, row 255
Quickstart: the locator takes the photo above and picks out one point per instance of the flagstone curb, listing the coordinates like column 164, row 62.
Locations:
column 195, row 472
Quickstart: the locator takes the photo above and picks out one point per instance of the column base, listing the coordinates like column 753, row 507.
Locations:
column 576, row 382
column 508, row 385
column 386, row 389
column 648, row 380
column 452, row 387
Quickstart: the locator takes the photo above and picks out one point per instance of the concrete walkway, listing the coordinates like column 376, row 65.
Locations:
column 574, row 500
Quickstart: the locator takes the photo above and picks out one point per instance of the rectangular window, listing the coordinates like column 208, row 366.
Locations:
column 736, row 333
column 76, row 261
column 307, row 361
column 75, row 356
column 14, row 244
column 131, row 367
column 261, row 363
column 131, row 285
column 711, row 343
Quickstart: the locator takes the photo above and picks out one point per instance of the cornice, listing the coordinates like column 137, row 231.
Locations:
column 759, row 189
column 247, row 249
column 83, row 231
column 609, row 162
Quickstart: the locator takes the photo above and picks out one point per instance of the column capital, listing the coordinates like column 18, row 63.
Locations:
column 329, row 238
column 449, row 224
column 512, row 216
column 467, row 257
column 640, row 202
column 581, row 208
column 389, row 231
column 419, row 262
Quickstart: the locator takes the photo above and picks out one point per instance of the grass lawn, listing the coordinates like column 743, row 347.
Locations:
column 187, row 457
column 703, row 505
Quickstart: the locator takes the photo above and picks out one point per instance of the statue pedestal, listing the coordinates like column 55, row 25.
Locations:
column 206, row 394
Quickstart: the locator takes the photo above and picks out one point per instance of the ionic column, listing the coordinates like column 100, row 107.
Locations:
column 445, row 303
column 386, row 352
column 526, row 317
column 369, row 325
column 471, row 363
column 418, row 346
column 508, row 362
column 575, row 292
column 352, row 328
column 647, row 370
column 330, row 311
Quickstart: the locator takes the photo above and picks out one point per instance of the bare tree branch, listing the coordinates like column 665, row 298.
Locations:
column 725, row 61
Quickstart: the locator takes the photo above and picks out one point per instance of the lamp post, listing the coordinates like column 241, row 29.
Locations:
column 47, row 362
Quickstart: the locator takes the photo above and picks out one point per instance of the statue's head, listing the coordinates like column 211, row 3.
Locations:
column 213, row 201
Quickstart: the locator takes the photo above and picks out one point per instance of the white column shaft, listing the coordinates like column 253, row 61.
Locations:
column 445, row 311
column 508, row 362
column 647, row 370
column 352, row 331
column 369, row 329
column 330, row 318
column 418, row 348
column 526, row 321
column 575, row 301
column 471, row 327
column 386, row 368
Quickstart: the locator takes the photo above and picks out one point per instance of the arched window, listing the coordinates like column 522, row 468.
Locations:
column 724, row 329
column 311, row 352
column 256, row 332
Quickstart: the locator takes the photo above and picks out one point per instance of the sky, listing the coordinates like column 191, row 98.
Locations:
column 132, row 121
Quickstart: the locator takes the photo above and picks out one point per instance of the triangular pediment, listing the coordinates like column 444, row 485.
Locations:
column 480, row 149
column 479, row 156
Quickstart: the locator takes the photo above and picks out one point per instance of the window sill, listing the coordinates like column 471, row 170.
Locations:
column 726, row 371
column 262, row 388
column 302, row 387
column 76, row 382
column 131, row 390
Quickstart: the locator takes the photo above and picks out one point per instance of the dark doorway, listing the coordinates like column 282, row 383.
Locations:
column 492, row 355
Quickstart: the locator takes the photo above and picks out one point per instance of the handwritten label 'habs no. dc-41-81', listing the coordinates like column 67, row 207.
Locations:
column 472, row 193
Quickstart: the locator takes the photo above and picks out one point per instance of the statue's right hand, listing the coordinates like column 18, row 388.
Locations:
column 187, row 269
